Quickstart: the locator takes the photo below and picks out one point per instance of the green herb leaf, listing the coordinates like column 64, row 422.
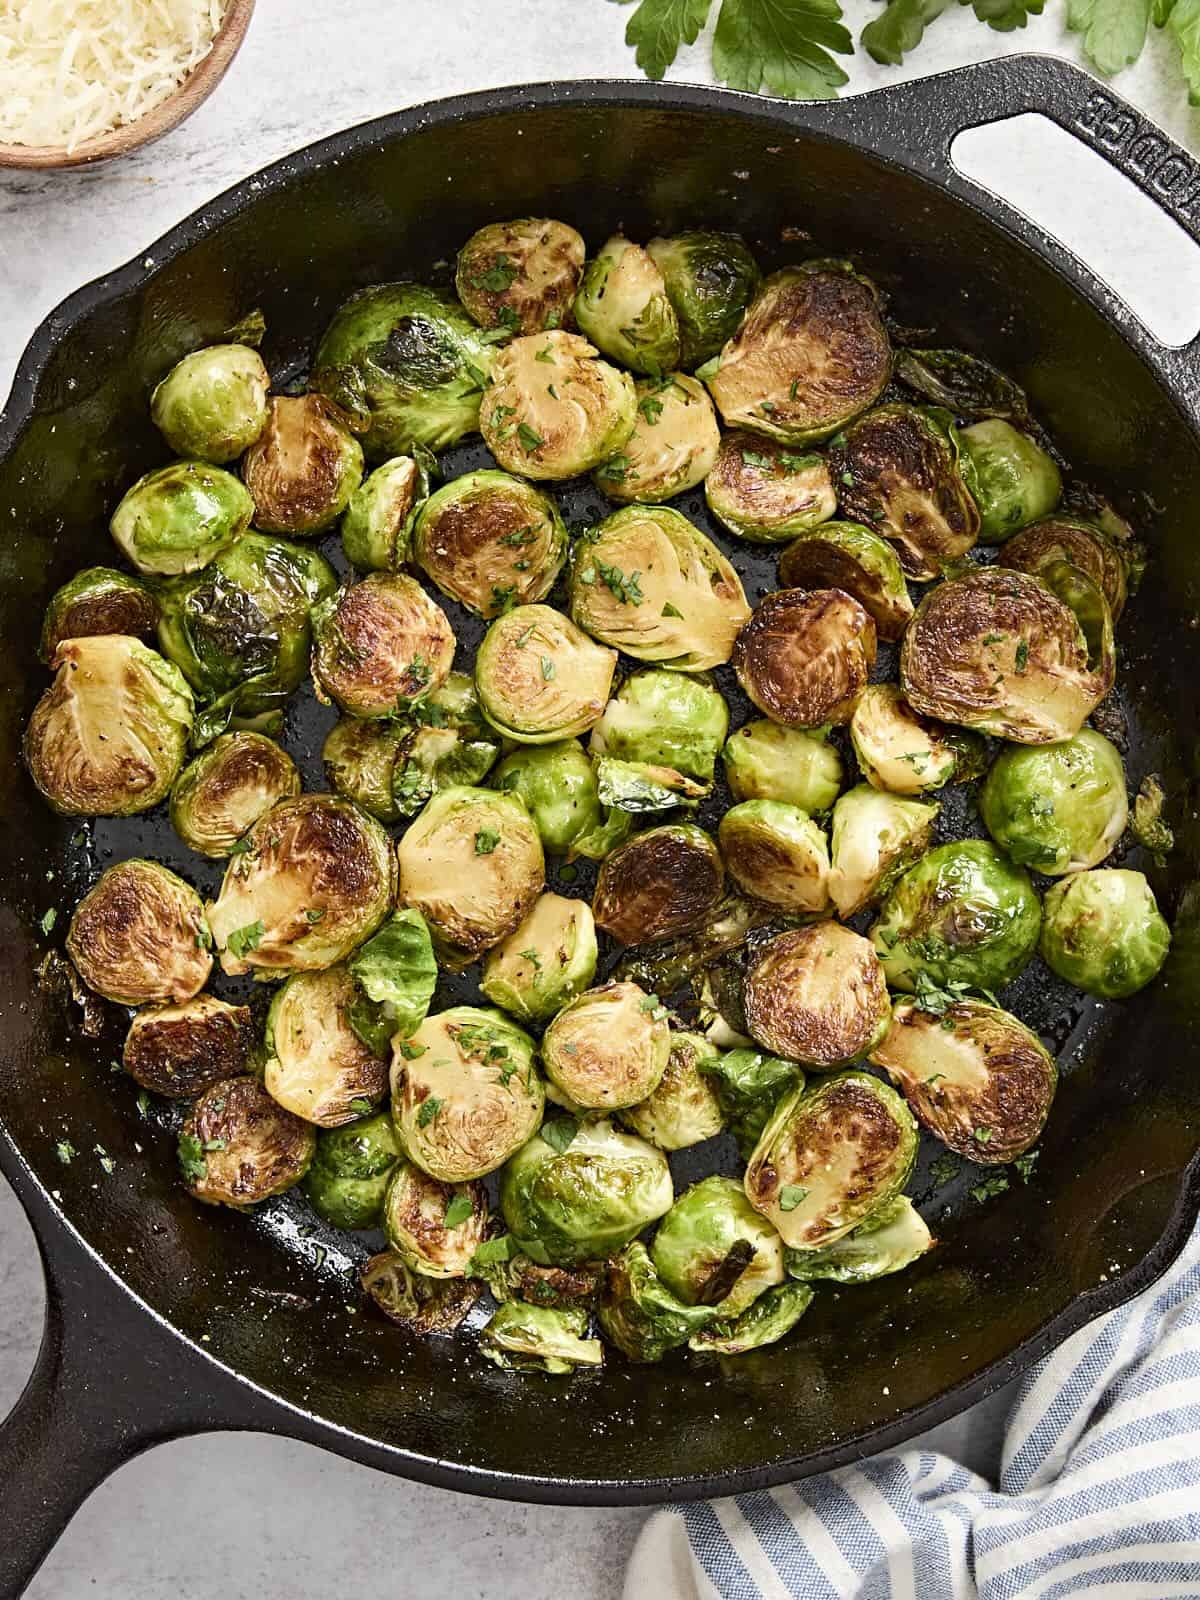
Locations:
column 498, row 277
column 243, row 940
column 627, row 590
column 493, row 1253
column 458, row 1210
column 791, row 1195
column 547, row 669
column 1026, row 1163
column 191, row 1159
column 361, row 1106
column 49, row 920
column 995, row 1183
column 65, row 1151
column 486, row 841
column 560, row 1133
column 658, row 27
column 546, row 354
column 650, row 408
column 781, row 46
column 669, row 610
column 1022, row 655
column 412, row 1052
column 533, row 958
column 945, row 1169
column 530, row 439
column 314, row 914
column 899, row 28
column 1182, row 22
column 983, row 1135
column 755, row 458
column 1114, row 31
column 429, row 1109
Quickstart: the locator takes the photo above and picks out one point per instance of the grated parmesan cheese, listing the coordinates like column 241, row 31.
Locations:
column 73, row 69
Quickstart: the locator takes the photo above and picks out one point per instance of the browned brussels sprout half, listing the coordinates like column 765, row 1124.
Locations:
column 965, row 384
column 608, row 1048
column 227, row 788
column 805, row 656
column 546, row 960
column 776, row 853
column 710, row 279
column 213, row 404
column 540, row 679
column 1080, row 543
column 435, row 1228
column 179, row 1050
column 664, row 882
column 624, row 308
column 766, row 492
column 849, row 557
column 904, row 753
column 639, row 1314
column 672, row 447
column 238, row 1147
column 377, row 522
column 418, row 1304
column 380, row 644
column 521, row 275
column 684, row 1108
column 817, row 995
column 97, row 601
column 316, row 1064
column 304, row 465
column 553, row 409
column 490, row 542
column 139, row 937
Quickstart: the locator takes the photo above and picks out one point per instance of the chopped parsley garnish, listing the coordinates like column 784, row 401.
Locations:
column 498, row 277
column 520, row 536
column 1026, row 1163
column 945, row 1169
column 560, row 1133
column 458, row 1210
column 411, row 1051
column 534, row 960
column 243, row 940
column 486, row 841
column 522, row 639
column 669, row 610
column 191, row 1159
column 546, row 354
column 650, row 408
column 429, row 1109
column 995, row 1183
column 627, row 590
column 755, row 458
column 503, row 599
column 493, row 1252
column 547, row 669
column 49, row 920
column 361, row 1106
column 65, row 1151
column 1022, row 656
column 531, row 440
column 791, row 463
column 791, row 1195
column 314, row 914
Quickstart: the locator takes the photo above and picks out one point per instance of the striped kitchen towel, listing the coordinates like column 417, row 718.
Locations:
column 1099, row 1492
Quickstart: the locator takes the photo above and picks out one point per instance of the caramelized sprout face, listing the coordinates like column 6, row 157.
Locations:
column 804, row 656
column 1012, row 479
column 349, row 1174
column 361, row 761
column 421, row 1218
column 554, row 409
column 490, row 542
column 316, row 1064
column 683, row 1110
column 672, row 447
column 765, row 761
column 816, row 995
column 608, row 1048
column 179, row 1050
column 903, row 753
column 662, row 883
column 420, row 1305
column 226, row 789
column 178, row 517
column 96, row 601
column 378, row 521
column 539, row 678
column 212, row 405
column 238, row 1147
column 648, row 583
column 766, row 492
column 303, row 467
column 875, row 837
column 1058, row 807
column 714, row 1249
column 139, row 937
column 521, row 275
column 665, row 728
column 1082, row 544
column 557, row 782
column 380, row 645
column 1104, row 933
column 710, row 279
column 545, row 962
column 849, row 557
column 544, row 1338
column 777, row 854
column 624, row 309
column 890, row 1240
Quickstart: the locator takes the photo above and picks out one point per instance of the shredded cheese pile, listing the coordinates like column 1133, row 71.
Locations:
column 72, row 69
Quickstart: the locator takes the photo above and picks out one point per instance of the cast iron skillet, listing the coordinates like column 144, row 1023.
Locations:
column 165, row 1318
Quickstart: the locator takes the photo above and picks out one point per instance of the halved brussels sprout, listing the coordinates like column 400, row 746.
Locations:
column 364, row 762
column 553, row 409
column 377, row 524
column 849, row 557
column 521, row 275
column 409, row 363
column 227, row 788
column 965, row 384
column 608, row 1048
column 962, row 914
column 764, row 492
column 683, row 1110
column 1082, row 544
column 237, row 1147
column 548, row 1339
column 109, row 735
column 997, row 651
column 903, row 753
column 96, row 601
column 649, row 583
column 875, row 837
column 710, row 279
column 139, row 936
column 713, row 1249
column 805, row 656
column 817, row 995
column 623, row 307
column 1012, row 479
column 557, row 782
column 668, row 966
column 418, row 1304
column 1103, row 932
column 511, row 1275
column 178, row 517
column 539, row 678
column 380, row 644
column 316, row 877
column 349, row 1174
column 667, row 728
column 672, row 447
column 435, row 1228
column 765, row 761
column 1057, row 807
column 639, row 1314
column 888, row 1241
column 772, row 1316
column 472, row 865
column 465, row 1095
column 396, row 972
column 749, row 1085
column 316, row 1065
column 898, row 470
column 212, row 405
column 178, row 1050
column 490, row 542
column 545, row 962
column 776, row 853
column 974, row 1075
column 830, row 1157
column 663, row 882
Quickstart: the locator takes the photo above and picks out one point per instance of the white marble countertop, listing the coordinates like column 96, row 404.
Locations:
column 254, row 1516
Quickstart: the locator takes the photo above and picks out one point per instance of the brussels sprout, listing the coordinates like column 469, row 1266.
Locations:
column 623, row 307
column 1148, row 826
column 964, row 384
column 1104, row 933
column 664, row 882
column 408, row 362
column 672, row 447
column 521, row 1336
column 772, row 1316
column 903, row 753
column 684, row 1109
column 109, row 735
column 639, row 1314
column 776, row 853
column 379, row 645
column 465, row 1095
column 213, row 404
column 1080, row 543
column 583, row 1192
column 418, row 1304
column 816, row 995
column 227, row 788
column 890, row 1240
column 649, row 583
column 520, row 275
column 1085, row 600
column 539, row 678
column 830, row 1157
column 396, row 972
column 665, row 728
column 139, row 936
column 316, row 877
column 557, row 783
column 178, row 517
column 963, row 914
column 553, row 409
column 545, row 962
column 364, row 762
column 1057, row 807
column 713, row 1249
column 178, row 1050
column 472, row 864
column 875, row 838
column 974, row 1075
column 96, row 601
column 669, row 965
column 710, row 279
column 811, row 354
column 490, row 542
column 998, row 652
column 1012, row 480
column 350, row 1170
column 511, row 1275
column 316, row 1065
column 435, row 1228
column 608, row 1048
column 849, row 557
column 237, row 1146
column 377, row 524
column 899, row 471
column 764, row 761
column 805, row 655
column 749, row 1085
column 764, row 492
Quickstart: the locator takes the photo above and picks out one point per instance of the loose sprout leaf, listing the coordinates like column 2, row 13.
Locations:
column 781, row 46
column 1114, row 31
column 458, row 1210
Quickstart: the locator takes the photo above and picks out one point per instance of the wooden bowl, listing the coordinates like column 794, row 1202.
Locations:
column 192, row 92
